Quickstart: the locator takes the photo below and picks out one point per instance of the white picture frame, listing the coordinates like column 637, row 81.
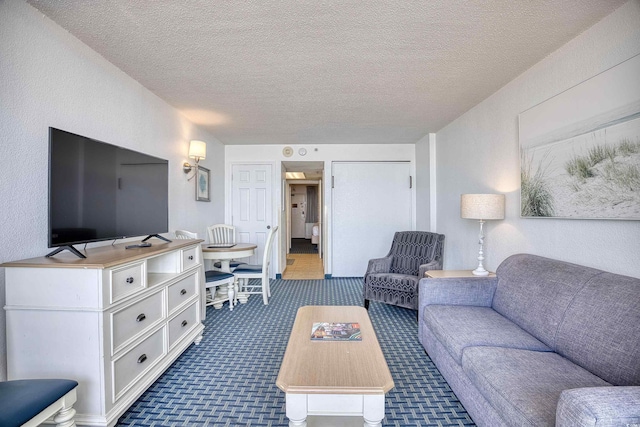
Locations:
column 580, row 150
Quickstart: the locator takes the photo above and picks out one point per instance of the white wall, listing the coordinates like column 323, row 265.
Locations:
column 328, row 153
column 49, row 78
column 479, row 153
column 423, row 184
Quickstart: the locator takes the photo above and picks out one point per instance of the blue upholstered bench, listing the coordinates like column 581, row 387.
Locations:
column 31, row 402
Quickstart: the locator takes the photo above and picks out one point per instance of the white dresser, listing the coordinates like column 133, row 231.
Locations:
column 114, row 321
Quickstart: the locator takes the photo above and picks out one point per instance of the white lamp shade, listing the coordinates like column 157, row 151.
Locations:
column 482, row 206
column 197, row 149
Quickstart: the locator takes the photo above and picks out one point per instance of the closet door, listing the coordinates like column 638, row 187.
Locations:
column 370, row 202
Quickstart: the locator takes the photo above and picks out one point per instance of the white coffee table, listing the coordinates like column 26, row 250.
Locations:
column 334, row 378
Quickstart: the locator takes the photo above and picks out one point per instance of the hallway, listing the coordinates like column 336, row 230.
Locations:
column 303, row 266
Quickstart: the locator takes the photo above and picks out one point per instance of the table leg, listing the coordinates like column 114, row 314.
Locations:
column 296, row 409
column 225, row 265
column 373, row 410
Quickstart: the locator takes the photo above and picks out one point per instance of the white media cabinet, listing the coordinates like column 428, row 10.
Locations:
column 114, row 321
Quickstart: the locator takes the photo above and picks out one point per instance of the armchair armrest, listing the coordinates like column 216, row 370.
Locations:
column 433, row 265
column 599, row 406
column 379, row 265
column 477, row 291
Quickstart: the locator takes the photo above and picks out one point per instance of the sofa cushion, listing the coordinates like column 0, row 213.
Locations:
column 599, row 407
column 535, row 292
column 458, row 327
column 523, row 385
column 601, row 330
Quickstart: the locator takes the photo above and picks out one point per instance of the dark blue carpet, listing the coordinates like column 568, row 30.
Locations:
column 303, row 246
column 229, row 379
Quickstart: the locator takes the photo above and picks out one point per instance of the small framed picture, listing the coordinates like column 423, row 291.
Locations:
column 202, row 184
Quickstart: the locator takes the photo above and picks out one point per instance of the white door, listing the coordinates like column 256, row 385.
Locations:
column 370, row 202
column 251, row 206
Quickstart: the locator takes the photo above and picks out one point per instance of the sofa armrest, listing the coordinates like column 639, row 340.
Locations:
column 379, row 265
column 599, row 406
column 477, row 291
column 433, row 265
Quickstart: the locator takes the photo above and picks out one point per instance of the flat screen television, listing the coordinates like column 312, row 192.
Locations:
column 98, row 191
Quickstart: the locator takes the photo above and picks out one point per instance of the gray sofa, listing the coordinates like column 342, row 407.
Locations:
column 544, row 343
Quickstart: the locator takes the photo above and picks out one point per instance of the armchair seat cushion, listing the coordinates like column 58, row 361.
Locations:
column 21, row 400
column 395, row 289
column 458, row 327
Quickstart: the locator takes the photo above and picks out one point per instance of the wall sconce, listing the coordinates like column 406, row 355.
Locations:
column 481, row 207
column 197, row 151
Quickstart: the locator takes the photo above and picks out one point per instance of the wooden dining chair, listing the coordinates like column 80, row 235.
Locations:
column 184, row 234
column 213, row 281
column 223, row 233
column 245, row 272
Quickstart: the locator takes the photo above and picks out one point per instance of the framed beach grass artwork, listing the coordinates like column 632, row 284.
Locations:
column 580, row 150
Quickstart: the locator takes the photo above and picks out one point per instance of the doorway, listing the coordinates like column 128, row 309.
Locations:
column 303, row 241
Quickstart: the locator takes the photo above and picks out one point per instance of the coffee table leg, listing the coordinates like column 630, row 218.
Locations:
column 373, row 410
column 296, row 409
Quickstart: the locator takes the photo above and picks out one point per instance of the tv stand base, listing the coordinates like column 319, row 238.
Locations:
column 158, row 236
column 66, row 248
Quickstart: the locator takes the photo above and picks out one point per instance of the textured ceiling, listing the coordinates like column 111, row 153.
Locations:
column 315, row 72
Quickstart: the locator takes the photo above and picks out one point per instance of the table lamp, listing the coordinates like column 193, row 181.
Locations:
column 482, row 207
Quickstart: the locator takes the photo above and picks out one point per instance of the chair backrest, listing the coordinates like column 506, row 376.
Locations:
column 266, row 257
column 222, row 233
column 184, row 234
column 411, row 249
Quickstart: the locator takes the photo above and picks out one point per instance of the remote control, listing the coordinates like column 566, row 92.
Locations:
column 141, row 245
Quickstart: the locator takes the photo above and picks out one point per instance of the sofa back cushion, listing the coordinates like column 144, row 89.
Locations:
column 601, row 329
column 534, row 292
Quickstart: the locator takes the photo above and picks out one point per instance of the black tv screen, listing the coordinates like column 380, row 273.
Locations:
column 98, row 191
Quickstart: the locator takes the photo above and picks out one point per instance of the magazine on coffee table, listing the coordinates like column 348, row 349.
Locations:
column 336, row 331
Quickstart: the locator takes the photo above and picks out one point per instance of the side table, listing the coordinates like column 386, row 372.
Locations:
column 442, row 274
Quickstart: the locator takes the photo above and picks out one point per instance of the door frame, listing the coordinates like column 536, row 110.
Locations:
column 287, row 209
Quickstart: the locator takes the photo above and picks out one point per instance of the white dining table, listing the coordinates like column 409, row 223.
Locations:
column 226, row 254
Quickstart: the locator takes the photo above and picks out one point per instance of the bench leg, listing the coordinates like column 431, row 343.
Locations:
column 64, row 418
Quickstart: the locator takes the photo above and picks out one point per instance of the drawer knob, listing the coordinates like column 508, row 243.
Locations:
column 142, row 358
column 140, row 317
column 129, row 279
column 190, row 257
column 182, row 292
column 184, row 323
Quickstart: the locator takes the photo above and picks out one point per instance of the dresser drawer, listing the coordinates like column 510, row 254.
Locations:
column 183, row 323
column 189, row 258
column 126, row 281
column 182, row 291
column 136, row 362
column 135, row 319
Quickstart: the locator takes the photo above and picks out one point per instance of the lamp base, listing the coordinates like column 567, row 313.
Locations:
column 480, row 271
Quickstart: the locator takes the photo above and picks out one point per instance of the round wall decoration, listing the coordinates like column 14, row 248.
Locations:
column 287, row 151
